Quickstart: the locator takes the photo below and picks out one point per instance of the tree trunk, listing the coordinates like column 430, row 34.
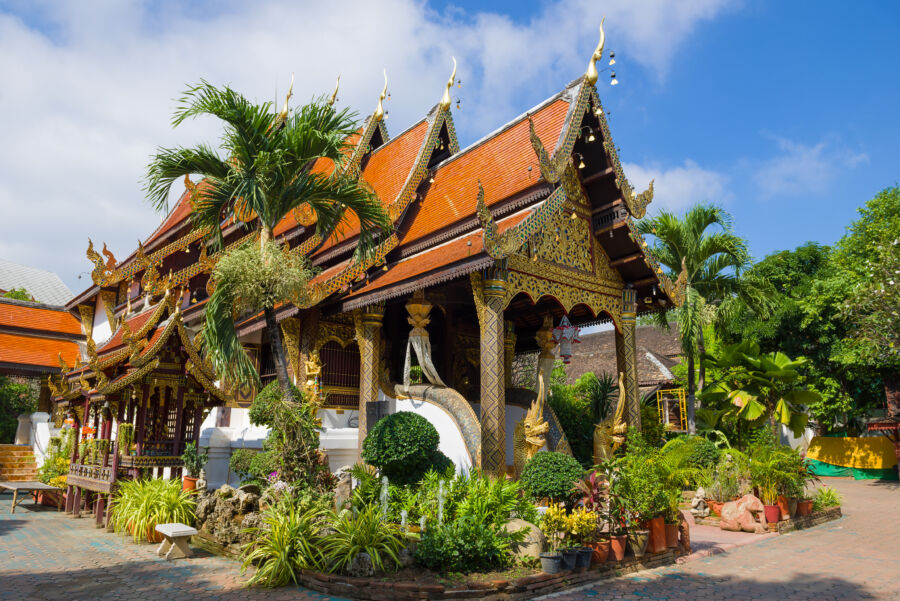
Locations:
column 892, row 392
column 278, row 355
column 701, row 348
column 692, row 426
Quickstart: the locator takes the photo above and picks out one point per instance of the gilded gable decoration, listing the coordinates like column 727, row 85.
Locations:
column 86, row 312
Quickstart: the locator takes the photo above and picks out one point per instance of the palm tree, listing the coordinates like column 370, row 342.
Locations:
column 260, row 173
column 703, row 243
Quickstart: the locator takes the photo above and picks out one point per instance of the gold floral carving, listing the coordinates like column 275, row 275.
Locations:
column 105, row 272
column 87, row 319
column 109, row 305
column 341, row 333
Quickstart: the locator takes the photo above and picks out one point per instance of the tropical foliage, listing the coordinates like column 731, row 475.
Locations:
column 17, row 396
column 404, row 446
column 139, row 505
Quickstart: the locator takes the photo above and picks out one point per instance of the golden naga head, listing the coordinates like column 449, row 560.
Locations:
column 333, row 98
column 445, row 100
column 534, row 425
column 591, row 74
column 379, row 110
column 283, row 115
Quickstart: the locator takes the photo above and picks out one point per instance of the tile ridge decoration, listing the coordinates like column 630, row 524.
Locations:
column 419, row 170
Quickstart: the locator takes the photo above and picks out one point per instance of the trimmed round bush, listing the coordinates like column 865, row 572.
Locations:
column 551, row 475
column 703, row 453
column 404, row 446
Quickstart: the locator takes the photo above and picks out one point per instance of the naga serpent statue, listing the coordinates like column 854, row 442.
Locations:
column 609, row 434
column 529, row 437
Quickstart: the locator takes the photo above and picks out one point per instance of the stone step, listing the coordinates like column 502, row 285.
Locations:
column 23, row 472
column 25, row 453
column 16, row 460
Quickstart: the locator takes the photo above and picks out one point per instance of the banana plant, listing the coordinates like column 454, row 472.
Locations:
column 761, row 385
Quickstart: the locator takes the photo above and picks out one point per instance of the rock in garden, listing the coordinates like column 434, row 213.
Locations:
column 251, row 520
column 225, row 491
column 534, row 541
column 344, row 487
column 405, row 557
column 361, row 566
column 253, row 489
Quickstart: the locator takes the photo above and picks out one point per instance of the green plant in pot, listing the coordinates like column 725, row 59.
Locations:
column 671, row 515
column 616, row 515
column 582, row 528
column 592, row 492
column 193, row 461
column 553, row 524
column 769, row 473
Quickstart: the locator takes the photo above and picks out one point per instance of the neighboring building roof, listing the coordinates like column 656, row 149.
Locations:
column 43, row 286
column 657, row 353
column 33, row 336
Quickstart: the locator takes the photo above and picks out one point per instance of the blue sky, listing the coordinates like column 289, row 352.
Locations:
column 784, row 112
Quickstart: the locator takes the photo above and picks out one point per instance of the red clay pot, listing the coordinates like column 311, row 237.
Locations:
column 600, row 551
column 715, row 507
column 617, row 547
column 189, row 483
column 671, row 535
column 804, row 507
column 657, row 527
column 783, row 506
column 773, row 514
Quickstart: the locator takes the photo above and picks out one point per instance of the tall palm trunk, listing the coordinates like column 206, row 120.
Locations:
column 701, row 348
column 278, row 355
column 692, row 426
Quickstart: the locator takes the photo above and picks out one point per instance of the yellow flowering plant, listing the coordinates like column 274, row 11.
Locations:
column 554, row 524
column 581, row 524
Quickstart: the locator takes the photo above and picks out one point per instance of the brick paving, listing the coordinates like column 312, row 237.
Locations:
column 47, row 556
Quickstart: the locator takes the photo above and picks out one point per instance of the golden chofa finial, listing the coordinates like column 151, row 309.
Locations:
column 282, row 116
column 333, row 98
column 445, row 101
column 591, row 74
column 379, row 111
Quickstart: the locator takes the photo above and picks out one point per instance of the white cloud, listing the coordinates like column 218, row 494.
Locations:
column 798, row 168
column 676, row 188
column 83, row 107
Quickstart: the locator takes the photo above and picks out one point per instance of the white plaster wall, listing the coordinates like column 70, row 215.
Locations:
column 102, row 330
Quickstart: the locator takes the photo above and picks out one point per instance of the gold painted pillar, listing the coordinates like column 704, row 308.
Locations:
column 368, row 335
column 626, row 358
column 489, row 290
column 509, row 352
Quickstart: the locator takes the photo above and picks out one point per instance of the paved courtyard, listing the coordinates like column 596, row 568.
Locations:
column 45, row 556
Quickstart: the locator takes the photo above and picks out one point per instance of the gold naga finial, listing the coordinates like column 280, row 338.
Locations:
column 591, row 74
column 333, row 98
column 379, row 110
column 445, row 101
column 283, row 115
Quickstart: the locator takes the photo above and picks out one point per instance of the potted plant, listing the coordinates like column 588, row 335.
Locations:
column 768, row 474
column 193, row 462
column 673, row 498
column 582, row 524
column 593, row 491
column 552, row 524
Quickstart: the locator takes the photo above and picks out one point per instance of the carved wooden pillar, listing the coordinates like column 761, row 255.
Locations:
column 368, row 336
column 490, row 294
column 509, row 352
column 627, row 358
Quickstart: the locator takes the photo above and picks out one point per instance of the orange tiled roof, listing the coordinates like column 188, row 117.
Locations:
column 28, row 350
column 501, row 163
column 386, row 171
column 179, row 213
column 135, row 323
column 437, row 257
column 38, row 318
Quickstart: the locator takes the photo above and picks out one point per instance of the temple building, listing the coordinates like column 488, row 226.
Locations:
column 504, row 247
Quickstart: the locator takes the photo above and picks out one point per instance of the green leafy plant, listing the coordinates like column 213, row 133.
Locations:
column 639, row 480
column 551, row 475
column 364, row 533
column 16, row 397
column 826, row 497
column 125, row 438
column 464, row 545
column 288, row 540
column 193, row 459
column 582, row 525
column 553, row 524
column 139, row 505
column 18, row 294
column 770, row 470
column 404, row 446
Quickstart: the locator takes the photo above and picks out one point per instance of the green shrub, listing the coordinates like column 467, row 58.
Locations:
column 640, row 481
column 704, row 454
column 826, row 497
column 652, row 429
column 364, row 533
column 139, row 505
column 193, row 459
column 551, row 475
column 465, row 545
column 289, row 540
column 572, row 411
column 239, row 463
column 404, row 446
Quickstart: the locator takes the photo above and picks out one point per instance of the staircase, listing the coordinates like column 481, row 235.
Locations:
column 17, row 463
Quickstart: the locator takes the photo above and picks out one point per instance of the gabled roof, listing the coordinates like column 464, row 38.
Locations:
column 31, row 354
column 43, row 286
column 33, row 336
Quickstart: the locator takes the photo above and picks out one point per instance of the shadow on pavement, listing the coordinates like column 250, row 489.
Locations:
column 10, row 524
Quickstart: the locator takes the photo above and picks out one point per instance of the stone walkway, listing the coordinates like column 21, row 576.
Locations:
column 46, row 556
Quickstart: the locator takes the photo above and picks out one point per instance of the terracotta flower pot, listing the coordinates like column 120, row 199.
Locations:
column 657, row 542
column 600, row 551
column 792, row 506
column 189, row 483
column 715, row 506
column 638, row 540
column 773, row 514
column 783, row 506
column 671, row 535
column 617, row 547
column 804, row 507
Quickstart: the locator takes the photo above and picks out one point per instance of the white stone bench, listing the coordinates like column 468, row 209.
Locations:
column 175, row 543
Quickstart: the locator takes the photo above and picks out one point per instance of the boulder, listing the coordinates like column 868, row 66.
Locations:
column 534, row 542
column 251, row 520
column 225, row 491
column 406, row 558
column 361, row 566
column 245, row 502
column 253, row 489
column 344, row 488
column 747, row 514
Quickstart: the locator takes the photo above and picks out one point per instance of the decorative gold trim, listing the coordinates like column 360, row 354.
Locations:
column 445, row 99
column 591, row 75
column 378, row 115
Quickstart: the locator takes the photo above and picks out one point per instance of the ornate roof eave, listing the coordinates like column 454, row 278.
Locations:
column 342, row 280
column 127, row 379
column 675, row 291
column 200, row 369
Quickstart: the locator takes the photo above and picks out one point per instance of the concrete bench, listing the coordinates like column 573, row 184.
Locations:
column 175, row 543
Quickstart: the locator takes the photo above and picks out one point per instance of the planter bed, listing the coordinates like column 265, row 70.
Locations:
column 490, row 586
column 808, row 521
